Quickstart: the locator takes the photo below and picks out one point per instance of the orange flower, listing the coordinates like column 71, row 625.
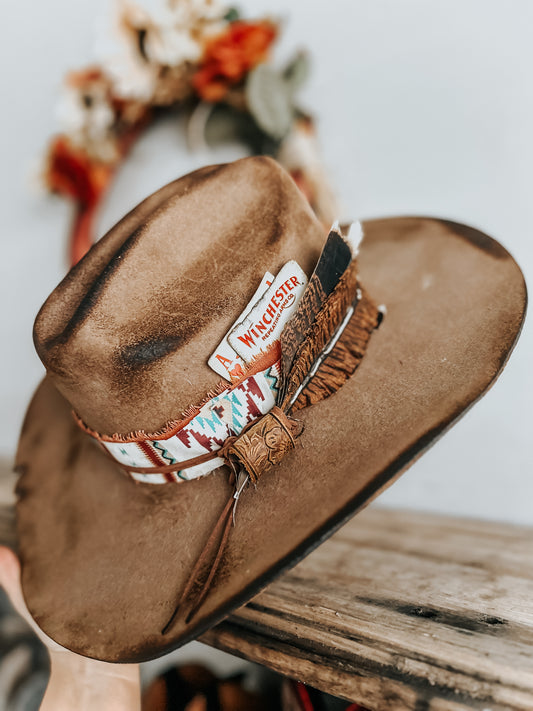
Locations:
column 73, row 174
column 228, row 57
column 85, row 77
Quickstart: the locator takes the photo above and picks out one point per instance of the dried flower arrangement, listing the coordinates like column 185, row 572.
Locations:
column 193, row 54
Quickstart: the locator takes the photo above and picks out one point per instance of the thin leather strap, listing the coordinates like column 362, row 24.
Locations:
column 223, row 524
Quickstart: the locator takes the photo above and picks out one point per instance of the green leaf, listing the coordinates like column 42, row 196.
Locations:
column 227, row 125
column 232, row 14
column 269, row 101
column 297, row 71
column 223, row 125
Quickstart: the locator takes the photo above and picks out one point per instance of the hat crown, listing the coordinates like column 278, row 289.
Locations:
column 127, row 334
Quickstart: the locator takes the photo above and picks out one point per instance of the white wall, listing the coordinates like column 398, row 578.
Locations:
column 424, row 108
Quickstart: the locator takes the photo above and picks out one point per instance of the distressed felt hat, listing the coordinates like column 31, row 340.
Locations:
column 132, row 450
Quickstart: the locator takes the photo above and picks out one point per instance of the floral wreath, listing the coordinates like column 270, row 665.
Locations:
column 195, row 55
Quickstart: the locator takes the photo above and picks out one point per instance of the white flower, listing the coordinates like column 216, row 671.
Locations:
column 85, row 116
column 132, row 77
column 117, row 48
column 143, row 35
column 70, row 113
column 171, row 46
column 181, row 13
column 208, row 9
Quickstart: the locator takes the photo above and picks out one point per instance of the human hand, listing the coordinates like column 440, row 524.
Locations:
column 75, row 681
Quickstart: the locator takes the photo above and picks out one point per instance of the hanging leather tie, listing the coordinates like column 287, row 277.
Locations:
column 220, row 531
column 261, row 445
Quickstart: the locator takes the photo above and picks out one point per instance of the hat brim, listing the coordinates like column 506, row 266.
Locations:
column 104, row 559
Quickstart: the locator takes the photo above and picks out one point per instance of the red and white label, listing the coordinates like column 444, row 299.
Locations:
column 265, row 322
column 225, row 360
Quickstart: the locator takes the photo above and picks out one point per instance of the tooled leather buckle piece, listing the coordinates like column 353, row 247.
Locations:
column 264, row 443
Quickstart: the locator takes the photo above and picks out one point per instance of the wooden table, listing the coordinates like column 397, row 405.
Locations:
column 398, row 611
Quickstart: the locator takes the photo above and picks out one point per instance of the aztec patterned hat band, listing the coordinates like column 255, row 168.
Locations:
column 313, row 335
column 222, row 416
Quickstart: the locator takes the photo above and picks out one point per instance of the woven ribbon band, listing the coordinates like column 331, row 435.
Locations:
column 195, row 447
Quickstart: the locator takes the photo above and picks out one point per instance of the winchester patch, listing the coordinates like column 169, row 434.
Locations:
column 265, row 322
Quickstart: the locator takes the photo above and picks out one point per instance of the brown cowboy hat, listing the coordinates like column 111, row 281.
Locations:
column 125, row 339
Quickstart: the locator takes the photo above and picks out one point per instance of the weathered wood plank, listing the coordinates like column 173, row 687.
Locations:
column 398, row 611
column 402, row 611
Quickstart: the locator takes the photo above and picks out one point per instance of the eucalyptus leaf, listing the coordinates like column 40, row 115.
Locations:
column 232, row 14
column 297, row 71
column 269, row 101
column 228, row 125
column 225, row 124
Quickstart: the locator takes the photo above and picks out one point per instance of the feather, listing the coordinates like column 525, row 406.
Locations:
column 319, row 334
column 338, row 254
column 341, row 358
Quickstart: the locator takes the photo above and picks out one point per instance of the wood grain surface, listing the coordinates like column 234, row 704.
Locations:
column 397, row 611
column 401, row 611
